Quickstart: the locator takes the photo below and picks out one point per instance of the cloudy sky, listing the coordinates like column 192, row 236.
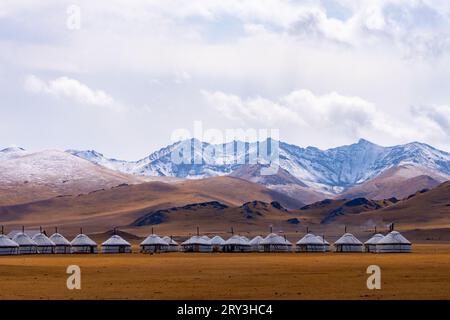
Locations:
column 122, row 75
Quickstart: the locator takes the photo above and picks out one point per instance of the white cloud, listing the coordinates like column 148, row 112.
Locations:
column 333, row 117
column 260, row 50
column 439, row 116
column 332, row 108
column 181, row 77
column 256, row 109
column 300, row 107
column 72, row 89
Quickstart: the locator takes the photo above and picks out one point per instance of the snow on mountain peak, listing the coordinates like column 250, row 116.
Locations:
column 364, row 142
column 12, row 149
column 330, row 171
column 12, row 152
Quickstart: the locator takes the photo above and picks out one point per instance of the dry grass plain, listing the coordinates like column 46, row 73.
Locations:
column 423, row 274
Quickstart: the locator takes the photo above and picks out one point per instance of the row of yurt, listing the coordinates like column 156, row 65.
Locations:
column 394, row 241
column 237, row 243
column 22, row 243
column 38, row 242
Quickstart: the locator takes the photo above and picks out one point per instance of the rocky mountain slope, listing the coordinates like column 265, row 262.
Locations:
column 328, row 172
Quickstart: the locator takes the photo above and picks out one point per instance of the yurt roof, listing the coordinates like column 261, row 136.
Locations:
column 256, row 240
column 59, row 239
column 22, row 239
column 6, row 242
column 116, row 240
column 273, row 238
column 245, row 238
column 196, row 240
column 170, row 241
column 322, row 240
column 394, row 237
column 154, row 239
column 374, row 239
column 310, row 239
column 30, row 233
column 83, row 240
column 348, row 238
column 42, row 240
column 237, row 240
column 205, row 238
column 217, row 240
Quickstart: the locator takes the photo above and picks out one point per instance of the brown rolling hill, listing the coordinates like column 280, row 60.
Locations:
column 282, row 181
column 398, row 182
column 329, row 210
column 425, row 209
column 218, row 218
column 103, row 209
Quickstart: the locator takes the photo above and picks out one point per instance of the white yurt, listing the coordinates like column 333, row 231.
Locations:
column 197, row 244
column 62, row 245
column 116, row 244
column 255, row 244
column 245, row 238
column 371, row 244
column 44, row 244
column 348, row 243
column 276, row 243
column 393, row 242
column 237, row 244
column 173, row 245
column 326, row 244
column 26, row 244
column 7, row 246
column 153, row 243
column 310, row 243
column 29, row 232
column 217, row 243
column 83, row 244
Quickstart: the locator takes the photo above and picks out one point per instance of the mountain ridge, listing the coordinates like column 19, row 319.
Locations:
column 330, row 171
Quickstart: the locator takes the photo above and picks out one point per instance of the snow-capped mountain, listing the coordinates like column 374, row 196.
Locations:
column 329, row 171
column 29, row 176
column 98, row 158
column 12, row 152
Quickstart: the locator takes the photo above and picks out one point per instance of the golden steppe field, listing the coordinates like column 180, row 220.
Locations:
column 423, row 274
